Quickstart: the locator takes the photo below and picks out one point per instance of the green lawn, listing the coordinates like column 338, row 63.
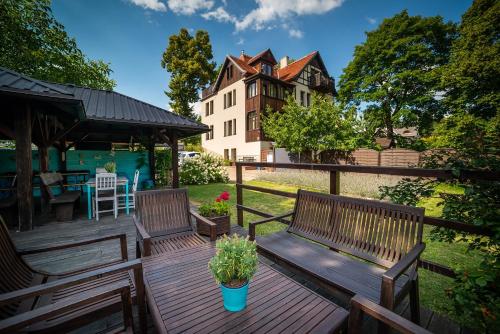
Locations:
column 432, row 286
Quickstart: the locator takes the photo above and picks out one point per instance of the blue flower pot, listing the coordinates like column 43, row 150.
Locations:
column 235, row 299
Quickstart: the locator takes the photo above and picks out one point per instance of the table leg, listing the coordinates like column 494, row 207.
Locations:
column 126, row 198
column 89, row 204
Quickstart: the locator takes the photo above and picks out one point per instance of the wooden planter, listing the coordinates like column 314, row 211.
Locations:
column 223, row 225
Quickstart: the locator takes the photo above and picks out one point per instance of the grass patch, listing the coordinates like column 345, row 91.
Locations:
column 432, row 286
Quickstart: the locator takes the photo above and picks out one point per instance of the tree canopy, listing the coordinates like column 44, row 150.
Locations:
column 322, row 126
column 394, row 74
column 472, row 78
column 189, row 61
column 34, row 43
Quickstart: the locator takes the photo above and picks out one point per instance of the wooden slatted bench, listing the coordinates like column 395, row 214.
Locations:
column 358, row 246
column 65, row 202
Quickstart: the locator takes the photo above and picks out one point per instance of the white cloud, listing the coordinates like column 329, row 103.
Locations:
column 189, row 7
column 220, row 15
column 241, row 41
column 371, row 20
column 295, row 33
column 155, row 5
column 270, row 10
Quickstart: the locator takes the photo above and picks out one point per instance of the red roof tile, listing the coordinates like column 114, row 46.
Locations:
column 289, row 72
column 244, row 66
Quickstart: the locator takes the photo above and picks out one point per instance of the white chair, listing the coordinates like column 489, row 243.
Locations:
column 100, row 170
column 105, row 190
column 131, row 198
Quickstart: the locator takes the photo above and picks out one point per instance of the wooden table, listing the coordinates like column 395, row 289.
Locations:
column 120, row 181
column 183, row 297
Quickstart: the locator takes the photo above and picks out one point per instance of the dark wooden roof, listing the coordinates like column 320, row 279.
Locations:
column 100, row 106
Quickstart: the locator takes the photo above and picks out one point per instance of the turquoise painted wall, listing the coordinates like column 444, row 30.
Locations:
column 126, row 162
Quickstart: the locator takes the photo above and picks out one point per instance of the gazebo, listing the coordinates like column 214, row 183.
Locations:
column 64, row 116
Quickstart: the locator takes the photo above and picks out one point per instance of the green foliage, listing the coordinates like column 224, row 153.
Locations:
column 110, row 167
column 203, row 169
column 408, row 191
column 163, row 162
column 189, row 61
column 396, row 72
column 235, row 262
column 322, row 126
column 218, row 207
column 472, row 78
column 34, row 43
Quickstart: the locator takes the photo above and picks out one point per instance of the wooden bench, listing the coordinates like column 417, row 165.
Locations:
column 359, row 246
column 63, row 203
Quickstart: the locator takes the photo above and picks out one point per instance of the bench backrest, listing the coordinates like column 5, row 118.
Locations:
column 164, row 211
column 375, row 231
column 50, row 179
column 15, row 274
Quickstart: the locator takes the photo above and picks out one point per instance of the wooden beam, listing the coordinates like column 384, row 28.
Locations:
column 24, row 167
column 175, row 160
column 43, row 157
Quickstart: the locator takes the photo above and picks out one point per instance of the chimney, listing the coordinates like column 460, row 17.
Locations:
column 242, row 55
column 284, row 61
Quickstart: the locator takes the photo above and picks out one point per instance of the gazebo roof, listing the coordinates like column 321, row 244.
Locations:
column 99, row 107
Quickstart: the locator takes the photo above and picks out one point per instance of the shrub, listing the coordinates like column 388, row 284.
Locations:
column 110, row 167
column 235, row 262
column 217, row 208
column 203, row 169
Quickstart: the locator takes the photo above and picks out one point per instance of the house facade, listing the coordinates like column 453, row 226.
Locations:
column 234, row 105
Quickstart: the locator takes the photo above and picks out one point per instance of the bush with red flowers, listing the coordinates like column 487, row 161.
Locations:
column 218, row 207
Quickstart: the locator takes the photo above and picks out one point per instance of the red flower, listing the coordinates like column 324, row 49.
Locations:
column 224, row 196
column 218, row 199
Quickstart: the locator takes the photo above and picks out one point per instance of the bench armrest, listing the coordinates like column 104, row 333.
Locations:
column 121, row 236
column 361, row 305
column 65, row 282
column 251, row 225
column 406, row 261
column 143, row 238
column 122, row 288
column 392, row 274
column 204, row 220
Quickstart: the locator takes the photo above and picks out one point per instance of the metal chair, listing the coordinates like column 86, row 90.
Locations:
column 105, row 190
column 131, row 198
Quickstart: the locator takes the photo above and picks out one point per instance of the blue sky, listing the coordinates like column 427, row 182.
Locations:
column 132, row 34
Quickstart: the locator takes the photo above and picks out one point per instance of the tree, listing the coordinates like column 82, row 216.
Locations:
column 322, row 126
column 472, row 78
column 189, row 61
column 34, row 43
column 395, row 73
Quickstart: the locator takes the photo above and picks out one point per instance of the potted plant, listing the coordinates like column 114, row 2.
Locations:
column 218, row 212
column 233, row 267
column 110, row 167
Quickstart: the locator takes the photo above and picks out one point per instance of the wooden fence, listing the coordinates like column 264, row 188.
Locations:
column 334, row 181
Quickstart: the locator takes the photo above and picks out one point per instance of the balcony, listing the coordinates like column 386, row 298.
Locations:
column 322, row 83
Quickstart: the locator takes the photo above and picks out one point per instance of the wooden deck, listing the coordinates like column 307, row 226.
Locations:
column 58, row 261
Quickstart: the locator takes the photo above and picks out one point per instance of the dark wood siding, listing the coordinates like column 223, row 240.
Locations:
column 237, row 75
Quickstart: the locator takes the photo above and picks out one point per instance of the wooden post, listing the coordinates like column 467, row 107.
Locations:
column 175, row 160
column 152, row 161
column 43, row 156
column 24, row 167
column 334, row 182
column 62, row 154
column 239, row 194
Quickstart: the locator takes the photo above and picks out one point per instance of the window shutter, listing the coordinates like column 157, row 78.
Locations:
column 234, row 97
column 234, row 126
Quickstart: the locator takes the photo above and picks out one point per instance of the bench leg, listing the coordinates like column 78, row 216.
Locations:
column 415, row 301
column 64, row 212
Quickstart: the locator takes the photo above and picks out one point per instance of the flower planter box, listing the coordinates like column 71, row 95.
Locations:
column 223, row 226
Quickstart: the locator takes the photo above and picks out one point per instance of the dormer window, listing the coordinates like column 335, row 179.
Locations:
column 267, row 69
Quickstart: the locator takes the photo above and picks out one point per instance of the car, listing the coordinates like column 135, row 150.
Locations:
column 187, row 154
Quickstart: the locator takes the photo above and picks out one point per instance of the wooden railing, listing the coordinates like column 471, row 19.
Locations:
column 334, row 187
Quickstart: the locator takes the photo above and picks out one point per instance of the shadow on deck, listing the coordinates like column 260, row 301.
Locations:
column 82, row 228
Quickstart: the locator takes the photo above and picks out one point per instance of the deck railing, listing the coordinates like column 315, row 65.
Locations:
column 334, row 187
